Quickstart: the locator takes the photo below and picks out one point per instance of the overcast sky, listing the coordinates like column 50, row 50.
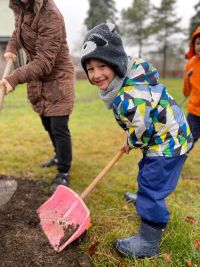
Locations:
column 75, row 11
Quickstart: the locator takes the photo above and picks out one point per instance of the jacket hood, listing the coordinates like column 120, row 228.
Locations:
column 142, row 73
column 191, row 51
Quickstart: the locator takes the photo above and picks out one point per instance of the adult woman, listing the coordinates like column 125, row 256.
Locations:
column 49, row 73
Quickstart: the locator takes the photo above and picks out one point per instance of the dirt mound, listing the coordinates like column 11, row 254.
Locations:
column 22, row 242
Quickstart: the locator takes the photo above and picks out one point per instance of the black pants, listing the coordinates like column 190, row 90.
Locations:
column 57, row 128
column 194, row 123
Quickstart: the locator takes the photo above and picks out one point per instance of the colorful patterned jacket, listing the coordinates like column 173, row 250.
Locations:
column 150, row 116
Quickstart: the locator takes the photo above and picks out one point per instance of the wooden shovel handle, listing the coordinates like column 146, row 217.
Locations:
column 102, row 174
column 6, row 72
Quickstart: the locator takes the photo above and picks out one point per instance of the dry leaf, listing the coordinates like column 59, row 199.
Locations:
column 167, row 257
column 121, row 264
column 197, row 245
column 125, row 207
column 189, row 263
column 190, row 219
column 92, row 248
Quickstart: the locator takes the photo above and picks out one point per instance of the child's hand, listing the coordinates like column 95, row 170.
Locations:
column 126, row 148
column 7, row 87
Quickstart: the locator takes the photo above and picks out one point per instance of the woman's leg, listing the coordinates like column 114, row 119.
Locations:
column 62, row 139
column 46, row 122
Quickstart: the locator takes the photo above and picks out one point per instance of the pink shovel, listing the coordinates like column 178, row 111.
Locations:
column 64, row 216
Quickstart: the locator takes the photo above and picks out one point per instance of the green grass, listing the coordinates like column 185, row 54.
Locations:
column 96, row 138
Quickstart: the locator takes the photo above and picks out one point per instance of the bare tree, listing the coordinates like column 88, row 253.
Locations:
column 135, row 27
column 165, row 27
column 195, row 20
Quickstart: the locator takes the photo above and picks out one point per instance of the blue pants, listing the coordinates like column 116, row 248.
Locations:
column 157, row 178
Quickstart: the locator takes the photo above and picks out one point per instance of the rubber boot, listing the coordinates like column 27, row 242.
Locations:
column 144, row 244
column 130, row 197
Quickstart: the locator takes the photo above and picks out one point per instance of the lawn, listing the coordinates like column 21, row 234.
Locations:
column 96, row 138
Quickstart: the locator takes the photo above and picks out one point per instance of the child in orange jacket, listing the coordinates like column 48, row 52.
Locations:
column 191, row 86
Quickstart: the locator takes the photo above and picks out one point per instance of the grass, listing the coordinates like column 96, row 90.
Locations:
column 96, row 138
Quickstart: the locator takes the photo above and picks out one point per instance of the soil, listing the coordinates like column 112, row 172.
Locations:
column 22, row 241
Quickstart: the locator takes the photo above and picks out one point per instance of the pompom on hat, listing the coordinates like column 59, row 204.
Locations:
column 104, row 43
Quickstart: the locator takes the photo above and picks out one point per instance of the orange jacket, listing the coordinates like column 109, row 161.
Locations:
column 191, row 86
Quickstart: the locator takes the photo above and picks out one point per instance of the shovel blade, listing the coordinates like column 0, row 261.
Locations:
column 7, row 189
column 63, row 217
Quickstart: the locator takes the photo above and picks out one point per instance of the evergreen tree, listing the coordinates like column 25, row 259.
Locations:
column 100, row 11
column 195, row 20
column 135, row 23
column 165, row 26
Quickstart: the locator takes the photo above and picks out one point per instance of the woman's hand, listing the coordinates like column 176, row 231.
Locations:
column 7, row 87
column 9, row 55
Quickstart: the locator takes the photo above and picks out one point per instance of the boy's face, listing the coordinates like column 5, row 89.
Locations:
column 197, row 46
column 99, row 73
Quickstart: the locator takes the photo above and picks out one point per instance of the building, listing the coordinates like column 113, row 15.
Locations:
column 6, row 29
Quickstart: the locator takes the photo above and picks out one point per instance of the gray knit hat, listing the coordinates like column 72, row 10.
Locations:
column 104, row 43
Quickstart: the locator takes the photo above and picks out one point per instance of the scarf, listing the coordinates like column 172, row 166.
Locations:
column 109, row 95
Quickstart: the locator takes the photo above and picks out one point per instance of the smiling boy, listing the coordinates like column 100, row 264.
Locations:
column 152, row 121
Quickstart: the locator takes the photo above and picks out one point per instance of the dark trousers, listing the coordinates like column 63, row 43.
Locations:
column 194, row 123
column 57, row 128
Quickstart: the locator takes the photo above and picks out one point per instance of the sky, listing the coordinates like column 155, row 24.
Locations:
column 75, row 12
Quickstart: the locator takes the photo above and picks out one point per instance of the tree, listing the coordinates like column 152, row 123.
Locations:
column 135, row 23
column 195, row 20
column 165, row 26
column 100, row 11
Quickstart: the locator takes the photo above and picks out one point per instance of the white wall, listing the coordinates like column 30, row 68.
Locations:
column 7, row 19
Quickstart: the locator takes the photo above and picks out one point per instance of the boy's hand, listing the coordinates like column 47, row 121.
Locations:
column 126, row 148
column 7, row 87
column 9, row 55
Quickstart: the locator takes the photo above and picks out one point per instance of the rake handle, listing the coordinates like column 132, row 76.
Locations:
column 6, row 72
column 102, row 174
column 183, row 101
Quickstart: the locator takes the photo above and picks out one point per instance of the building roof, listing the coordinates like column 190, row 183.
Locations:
column 7, row 19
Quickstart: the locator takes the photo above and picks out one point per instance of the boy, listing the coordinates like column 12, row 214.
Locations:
column 191, row 86
column 153, row 122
